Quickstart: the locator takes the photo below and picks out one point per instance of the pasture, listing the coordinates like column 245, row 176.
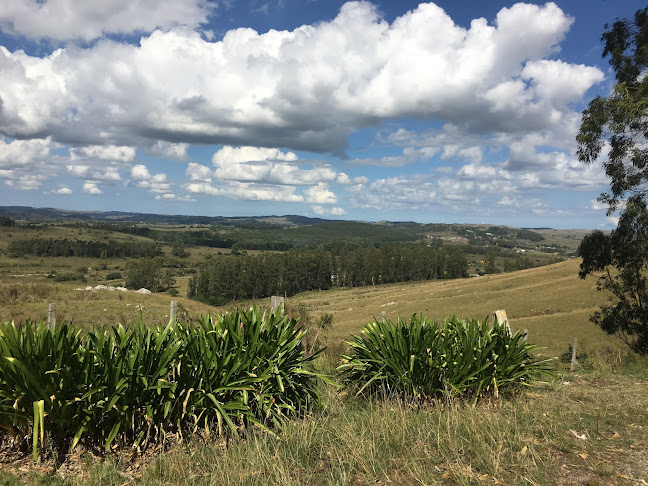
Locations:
column 587, row 426
column 550, row 301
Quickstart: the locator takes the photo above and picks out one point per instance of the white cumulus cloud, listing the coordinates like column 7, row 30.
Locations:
column 320, row 194
column 64, row 20
column 91, row 188
column 305, row 89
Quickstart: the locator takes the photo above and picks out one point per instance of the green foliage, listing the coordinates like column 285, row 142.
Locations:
column 4, row 221
column 79, row 248
column 422, row 359
column 179, row 250
column 620, row 120
column 235, row 277
column 113, row 276
column 622, row 257
column 69, row 277
column 148, row 273
column 566, row 356
column 490, row 265
column 133, row 386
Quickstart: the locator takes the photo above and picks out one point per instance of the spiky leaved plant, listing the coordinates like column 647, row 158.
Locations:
column 421, row 359
column 133, row 385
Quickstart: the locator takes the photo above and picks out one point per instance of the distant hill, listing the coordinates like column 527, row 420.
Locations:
column 53, row 215
column 286, row 232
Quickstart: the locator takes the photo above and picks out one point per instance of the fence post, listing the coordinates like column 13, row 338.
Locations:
column 275, row 302
column 573, row 360
column 174, row 311
column 51, row 314
column 500, row 317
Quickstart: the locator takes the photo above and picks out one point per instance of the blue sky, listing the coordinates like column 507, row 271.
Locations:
column 457, row 112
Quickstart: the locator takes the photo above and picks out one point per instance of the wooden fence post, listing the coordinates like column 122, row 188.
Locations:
column 275, row 302
column 51, row 314
column 500, row 317
column 572, row 367
column 174, row 311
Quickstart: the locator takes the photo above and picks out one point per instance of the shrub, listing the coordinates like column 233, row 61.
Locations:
column 566, row 356
column 113, row 276
column 422, row 359
column 147, row 273
column 135, row 385
column 69, row 277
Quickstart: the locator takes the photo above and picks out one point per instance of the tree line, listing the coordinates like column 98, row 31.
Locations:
column 233, row 277
column 80, row 248
column 4, row 221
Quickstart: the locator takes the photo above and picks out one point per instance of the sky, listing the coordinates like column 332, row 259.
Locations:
column 455, row 111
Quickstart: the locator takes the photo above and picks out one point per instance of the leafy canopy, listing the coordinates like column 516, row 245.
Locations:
column 618, row 126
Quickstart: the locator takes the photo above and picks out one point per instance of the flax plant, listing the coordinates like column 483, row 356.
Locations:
column 134, row 386
column 421, row 359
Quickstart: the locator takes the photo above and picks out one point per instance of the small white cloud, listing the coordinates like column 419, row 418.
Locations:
column 507, row 201
column 140, row 173
column 236, row 155
column 62, row 190
column 23, row 153
column 174, row 197
column 198, row 172
column 342, row 178
column 26, row 182
column 169, row 150
column 109, row 174
column 247, row 190
column 597, row 205
column 320, row 194
column 334, row 211
column 156, row 184
column 394, row 193
column 104, row 152
column 91, row 188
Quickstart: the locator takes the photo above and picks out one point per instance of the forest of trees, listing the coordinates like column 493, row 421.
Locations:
column 4, row 221
column 233, row 277
column 79, row 248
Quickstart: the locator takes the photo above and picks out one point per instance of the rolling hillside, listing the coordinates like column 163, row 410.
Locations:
column 550, row 301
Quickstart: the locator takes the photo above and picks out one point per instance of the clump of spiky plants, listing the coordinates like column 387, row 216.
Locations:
column 421, row 359
column 132, row 386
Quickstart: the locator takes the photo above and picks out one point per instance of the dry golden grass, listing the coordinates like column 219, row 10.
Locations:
column 588, row 427
column 88, row 308
column 551, row 302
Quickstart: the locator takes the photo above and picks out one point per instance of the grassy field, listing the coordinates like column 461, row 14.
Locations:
column 551, row 302
column 587, row 427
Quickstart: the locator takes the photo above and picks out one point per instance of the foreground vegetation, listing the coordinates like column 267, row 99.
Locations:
column 136, row 385
column 421, row 359
column 587, row 427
